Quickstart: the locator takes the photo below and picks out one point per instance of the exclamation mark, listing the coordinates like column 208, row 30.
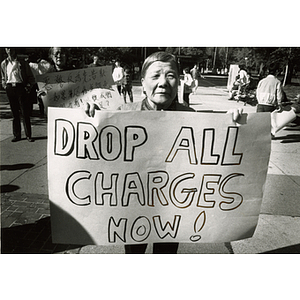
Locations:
column 198, row 225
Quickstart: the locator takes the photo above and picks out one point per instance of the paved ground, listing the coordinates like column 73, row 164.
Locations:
column 25, row 215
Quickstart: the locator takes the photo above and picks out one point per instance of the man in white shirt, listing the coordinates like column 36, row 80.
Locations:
column 118, row 76
column 16, row 77
column 269, row 92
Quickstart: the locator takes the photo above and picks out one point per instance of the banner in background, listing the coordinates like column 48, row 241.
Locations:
column 73, row 88
column 233, row 72
column 132, row 177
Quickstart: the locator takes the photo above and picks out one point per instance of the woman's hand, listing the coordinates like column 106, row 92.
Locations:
column 41, row 92
column 236, row 113
column 90, row 108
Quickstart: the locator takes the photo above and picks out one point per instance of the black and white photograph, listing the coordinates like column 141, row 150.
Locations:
column 158, row 132
column 223, row 178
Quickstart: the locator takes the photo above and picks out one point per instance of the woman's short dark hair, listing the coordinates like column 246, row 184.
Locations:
column 158, row 56
column 242, row 67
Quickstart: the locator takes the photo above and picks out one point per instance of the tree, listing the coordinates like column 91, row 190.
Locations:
column 288, row 59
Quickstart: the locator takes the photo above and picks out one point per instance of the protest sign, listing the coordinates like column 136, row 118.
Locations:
column 233, row 72
column 132, row 177
column 73, row 88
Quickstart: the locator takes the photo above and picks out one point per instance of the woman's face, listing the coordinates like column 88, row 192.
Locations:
column 59, row 57
column 160, row 83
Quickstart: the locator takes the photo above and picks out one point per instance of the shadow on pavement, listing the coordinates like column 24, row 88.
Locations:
column 38, row 121
column 36, row 237
column 15, row 167
column 8, row 188
column 209, row 94
column 249, row 101
column 291, row 129
column 294, row 249
column 40, row 138
column 214, row 81
column 32, row 238
column 5, row 115
column 290, row 138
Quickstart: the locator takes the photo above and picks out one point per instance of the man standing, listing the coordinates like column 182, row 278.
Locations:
column 16, row 77
column 127, row 85
column 196, row 75
column 118, row 76
column 269, row 92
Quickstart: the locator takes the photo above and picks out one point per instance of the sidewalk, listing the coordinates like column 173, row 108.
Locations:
column 25, row 214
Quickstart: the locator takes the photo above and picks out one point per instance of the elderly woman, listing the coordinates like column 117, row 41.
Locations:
column 58, row 62
column 160, row 78
column 58, row 57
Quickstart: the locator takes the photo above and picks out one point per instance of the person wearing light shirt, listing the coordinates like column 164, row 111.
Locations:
column 118, row 76
column 243, row 80
column 269, row 92
column 17, row 79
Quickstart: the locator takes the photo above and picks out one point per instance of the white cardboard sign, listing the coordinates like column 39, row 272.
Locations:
column 140, row 177
column 73, row 88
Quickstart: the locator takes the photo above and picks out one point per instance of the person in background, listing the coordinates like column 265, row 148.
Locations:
column 159, row 78
column 188, row 85
column 127, row 85
column 58, row 58
column 196, row 75
column 243, row 80
column 95, row 62
column 269, row 92
column 17, row 79
column 58, row 63
column 118, row 76
column 38, row 67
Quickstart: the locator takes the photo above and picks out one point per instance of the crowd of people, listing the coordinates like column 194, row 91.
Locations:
column 19, row 81
column 269, row 92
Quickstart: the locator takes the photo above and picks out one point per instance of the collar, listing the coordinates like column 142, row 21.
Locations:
column 147, row 106
column 7, row 60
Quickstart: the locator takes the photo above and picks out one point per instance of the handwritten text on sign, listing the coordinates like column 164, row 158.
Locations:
column 119, row 178
column 72, row 88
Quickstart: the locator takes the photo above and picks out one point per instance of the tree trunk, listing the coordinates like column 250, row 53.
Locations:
column 289, row 69
column 285, row 74
column 289, row 73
